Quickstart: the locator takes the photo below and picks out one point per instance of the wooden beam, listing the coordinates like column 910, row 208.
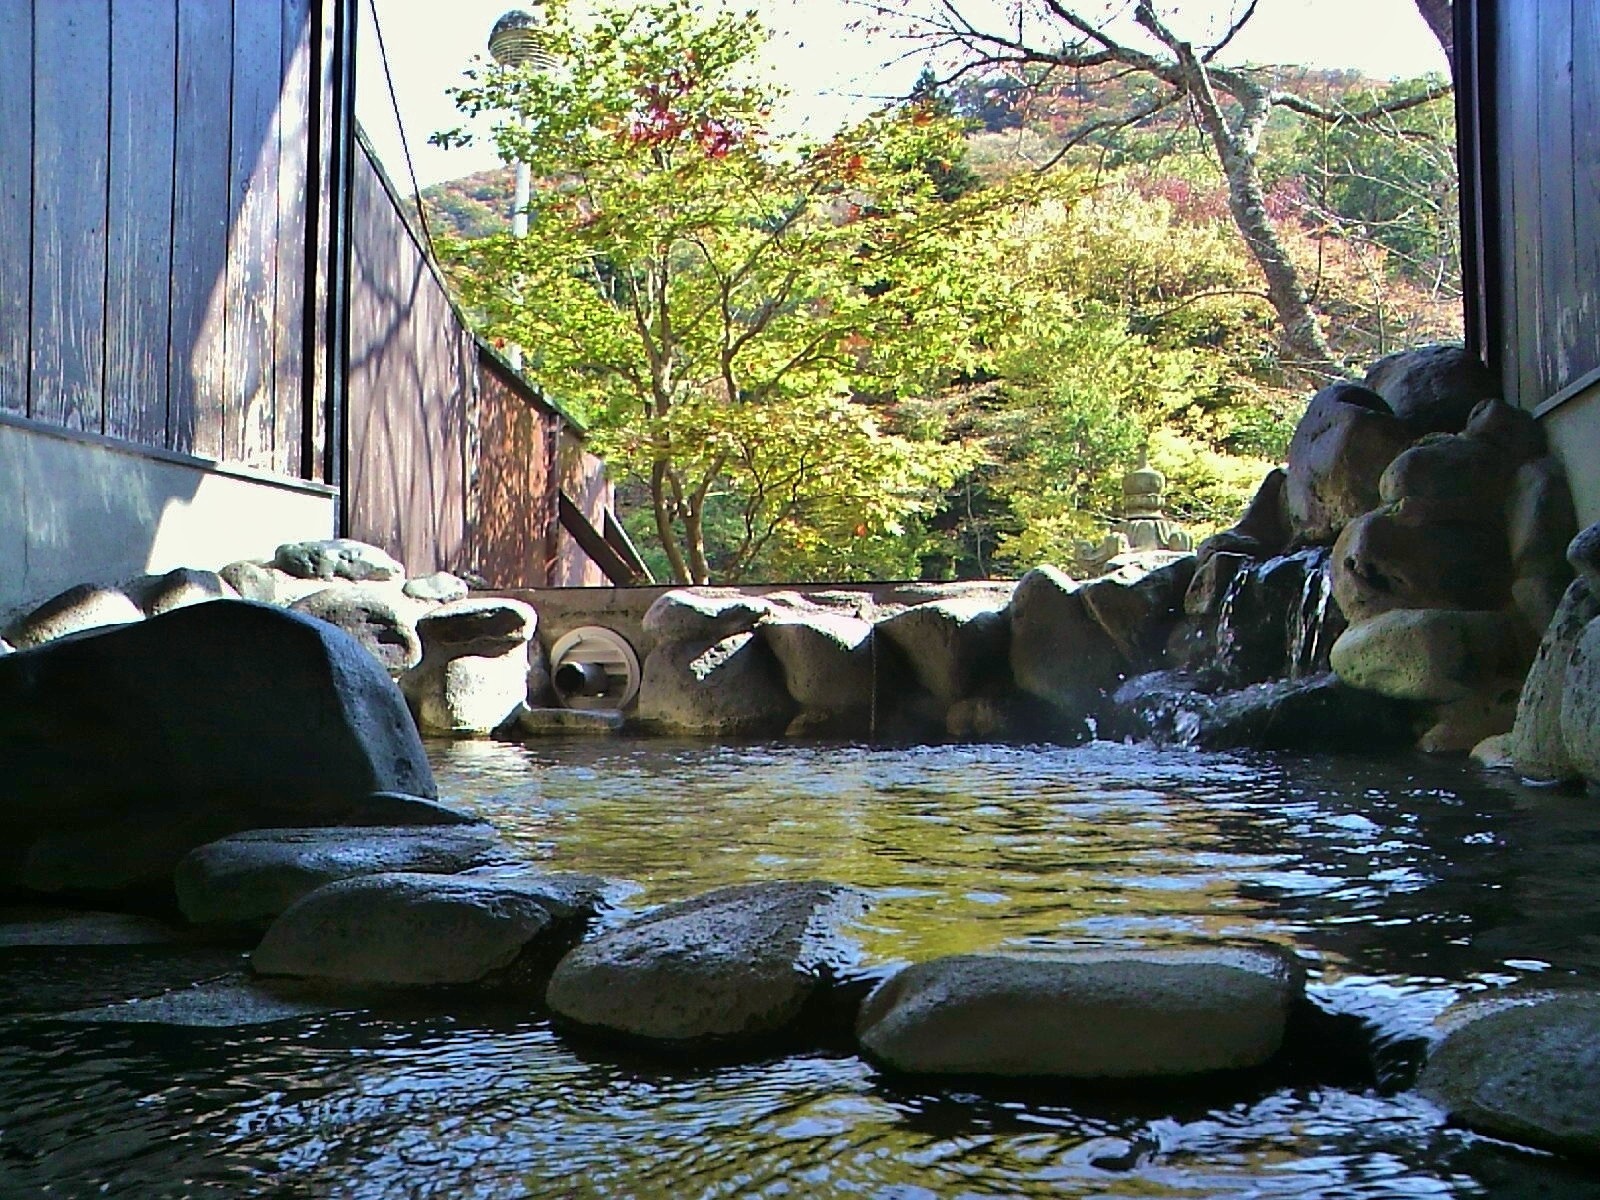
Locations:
column 589, row 539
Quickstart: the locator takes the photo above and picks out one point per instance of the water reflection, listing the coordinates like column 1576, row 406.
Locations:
column 1402, row 884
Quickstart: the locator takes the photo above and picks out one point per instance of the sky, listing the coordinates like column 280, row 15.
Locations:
column 831, row 72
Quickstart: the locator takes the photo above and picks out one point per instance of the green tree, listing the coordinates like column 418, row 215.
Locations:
column 736, row 317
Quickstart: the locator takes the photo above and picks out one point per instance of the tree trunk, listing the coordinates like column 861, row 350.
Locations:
column 663, row 512
column 694, row 535
column 1438, row 16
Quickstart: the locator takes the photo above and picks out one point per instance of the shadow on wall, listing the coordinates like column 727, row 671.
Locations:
column 82, row 512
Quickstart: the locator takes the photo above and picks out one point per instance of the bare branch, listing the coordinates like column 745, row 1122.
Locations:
column 1310, row 108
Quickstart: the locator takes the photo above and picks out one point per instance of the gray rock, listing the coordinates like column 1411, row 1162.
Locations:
column 1580, row 704
column 1262, row 531
column 1537, row 745
column 736, row 964
column 387, row 630
column 338, row 558
column 826, row 658
column 439, row 588
column 253, row 876
column 1494, row 753
column 545, row 722
column 473, row 677
column 730, row 686
column 1138, row 609
column 1212, row 579
column 1422, row 554
column 703, row 615
column 267, row 584
column 1435, row 655
column 1513, row 432
column 1059, row 652
column 1340, row 449
column 485, row 626
column 1433, row 388
column 86, row 606
column 1088, row 1014
column 405, row 929
column 1462, row 724
column 156, row 594
column 1583, row 554
column 1445, row 466
column 1316, row 714
column 1522, row 1068
column 127, row 748
column 953, row 647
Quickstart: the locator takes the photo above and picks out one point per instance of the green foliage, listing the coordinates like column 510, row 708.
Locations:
column 719, row 306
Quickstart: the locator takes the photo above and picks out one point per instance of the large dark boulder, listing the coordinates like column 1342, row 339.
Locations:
column 126, row 748
column 1340, row 449
column 1433, row 389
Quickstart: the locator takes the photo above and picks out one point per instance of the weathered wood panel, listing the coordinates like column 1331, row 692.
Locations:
column 144, row 40
column 1586, row 181
column 411, row 382
column 200, row 217
column 70, row 151
column 16, row 199
column 250, row 302
column 583, row 479
column 1556, row 173
column 514, row 523
column 295, row 260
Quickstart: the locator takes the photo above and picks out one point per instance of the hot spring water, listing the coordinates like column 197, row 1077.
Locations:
column 1403, row 884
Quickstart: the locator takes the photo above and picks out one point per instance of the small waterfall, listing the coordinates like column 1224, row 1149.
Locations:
column 1227, row 639
column 1308, row 621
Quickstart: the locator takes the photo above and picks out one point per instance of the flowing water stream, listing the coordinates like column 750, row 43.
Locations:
column 1404, row 885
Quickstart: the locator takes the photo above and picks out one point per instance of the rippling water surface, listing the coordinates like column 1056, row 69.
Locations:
column 1403, row 884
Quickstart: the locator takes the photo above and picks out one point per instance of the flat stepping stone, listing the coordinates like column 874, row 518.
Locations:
column 541, row 722
column 252, row 877
column 737, row 964
column 221, row 1004
column 1523, row 1067
column 410, row 930
column 1089, row 1014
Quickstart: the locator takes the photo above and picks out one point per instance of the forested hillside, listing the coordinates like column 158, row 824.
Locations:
column 1056, row 289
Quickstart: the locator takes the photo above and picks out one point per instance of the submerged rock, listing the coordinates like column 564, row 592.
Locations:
column 1084, row 1014
column 127, row 748
column 87, row 606
column 407, row 929
column 1526, row 1069
column 738, row 964
column 253, row 876
column 542, row 722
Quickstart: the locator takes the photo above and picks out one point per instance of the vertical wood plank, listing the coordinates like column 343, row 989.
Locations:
column 1586, row 180
column 319, row 404
column 200, row 227
column 251, row 297
column 144, row 47
column 1518, row 59
column 16, row 198
column 294, row 256
column 1558, row 234
column 72, row 47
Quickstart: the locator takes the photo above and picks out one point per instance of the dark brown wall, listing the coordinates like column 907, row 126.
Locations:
column 161, row 189
column 1538, row 84
column 1530, row 101
column 454, row 463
